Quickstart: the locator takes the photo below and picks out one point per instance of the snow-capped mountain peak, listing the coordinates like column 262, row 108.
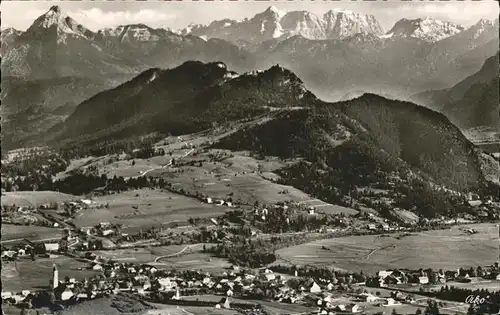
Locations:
column 481, row 26
column 341, row 23
column 273, row 10
column 428, row 29
column 273, row 23
column 64, row 25
column 133, row 32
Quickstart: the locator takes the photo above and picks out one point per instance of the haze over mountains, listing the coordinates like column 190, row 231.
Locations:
column 334, row 54
column 481, row 89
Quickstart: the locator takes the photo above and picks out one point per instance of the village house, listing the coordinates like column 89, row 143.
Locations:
column 166, row 284
column 97, row 266
column 86, row 201
column 66, row 294
column 104, row 225
column 6, row 295
column 482, row 214
column 391, row 280
column 367, row 297
column 107, row 232
column 382, row 274
column 423, row 280
column 391, row 302
column 9, row 254
column 315, row 288
column 51, row 247
column 350, row 308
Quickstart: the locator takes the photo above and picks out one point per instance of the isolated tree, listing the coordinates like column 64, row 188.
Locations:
column 471, row 310
column 432, row 308
column 418, row 312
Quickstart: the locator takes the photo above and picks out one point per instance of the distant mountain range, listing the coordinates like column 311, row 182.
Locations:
column 56, row 55
column 273, row 24
column 427, row 29
column 335, row 54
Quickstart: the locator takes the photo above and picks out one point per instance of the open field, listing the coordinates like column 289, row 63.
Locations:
column 11, row 233
column 194, row 261
column 490, row 285
column 111, row 165
column 448, row 307
column 126, row 169
column 148, row 254
column 476, row 284
column 28, row 275
column 34, row 198
column 146, row 208
column 187, row 310
column 237, row 177
column 180, row 257
column 132, row 306
column 447, row 249
column 271, row 307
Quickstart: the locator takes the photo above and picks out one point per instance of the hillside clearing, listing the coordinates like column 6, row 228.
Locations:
column 146, row 208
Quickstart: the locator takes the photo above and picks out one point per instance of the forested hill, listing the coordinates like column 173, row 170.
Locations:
column 188, row 98
column 366, row 141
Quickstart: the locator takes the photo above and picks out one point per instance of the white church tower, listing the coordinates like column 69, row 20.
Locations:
column 55, row 277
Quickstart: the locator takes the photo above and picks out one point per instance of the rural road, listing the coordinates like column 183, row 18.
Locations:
column 23, row 238
column 76, row 242
column 154, row 168
column 160, row 167
column 175, row 254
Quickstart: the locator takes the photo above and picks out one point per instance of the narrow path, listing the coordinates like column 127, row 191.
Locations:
column 376, row 249
column 186, row 311
column 23, row 238
column 161, row 167
column 76, row 242
column 176, row 254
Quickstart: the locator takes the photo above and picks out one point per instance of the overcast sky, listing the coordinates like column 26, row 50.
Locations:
column 176, row 14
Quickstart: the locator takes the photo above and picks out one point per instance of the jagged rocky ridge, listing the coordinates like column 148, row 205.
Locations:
column 271, row 24
column 428, row 29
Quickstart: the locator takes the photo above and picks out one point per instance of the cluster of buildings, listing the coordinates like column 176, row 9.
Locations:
column 387, row 278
